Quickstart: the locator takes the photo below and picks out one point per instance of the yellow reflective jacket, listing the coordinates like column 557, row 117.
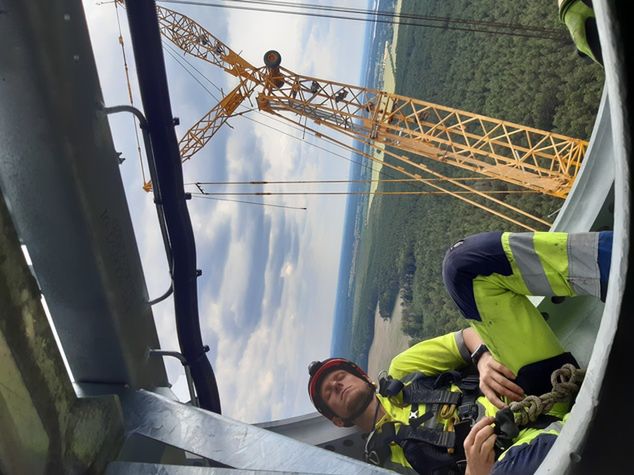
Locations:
column 433, row 357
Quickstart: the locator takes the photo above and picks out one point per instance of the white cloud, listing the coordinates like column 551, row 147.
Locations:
column 261, row 373
column 287, row 270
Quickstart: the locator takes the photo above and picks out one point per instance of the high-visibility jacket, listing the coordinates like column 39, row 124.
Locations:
column 434, row 357
column 489, row 276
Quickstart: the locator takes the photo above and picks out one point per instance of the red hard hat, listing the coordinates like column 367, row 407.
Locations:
column 318, row 370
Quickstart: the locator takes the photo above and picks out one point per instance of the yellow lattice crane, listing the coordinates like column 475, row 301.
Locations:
column 534, row 159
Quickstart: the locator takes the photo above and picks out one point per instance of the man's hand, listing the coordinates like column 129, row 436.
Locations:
column 479, row 448
column 496, row 380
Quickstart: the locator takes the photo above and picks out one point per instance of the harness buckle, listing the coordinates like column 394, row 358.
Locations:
column 505, row 428
column 468, row 411
column 389, row 386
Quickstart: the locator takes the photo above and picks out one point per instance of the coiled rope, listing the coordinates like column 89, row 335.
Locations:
column 566, row 382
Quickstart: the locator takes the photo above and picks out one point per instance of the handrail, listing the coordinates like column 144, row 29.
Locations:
column 155, row 189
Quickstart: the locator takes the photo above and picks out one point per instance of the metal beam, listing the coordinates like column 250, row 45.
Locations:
column 229, row 442
column 126, row 468
column 59, row 175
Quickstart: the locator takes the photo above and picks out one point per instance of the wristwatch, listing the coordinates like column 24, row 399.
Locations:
column 477, row 354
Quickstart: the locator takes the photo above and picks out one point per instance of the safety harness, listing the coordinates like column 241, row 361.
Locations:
column 432, row 441
column 433, row 448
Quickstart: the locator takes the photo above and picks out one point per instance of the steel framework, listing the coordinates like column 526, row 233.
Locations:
column 523, row 156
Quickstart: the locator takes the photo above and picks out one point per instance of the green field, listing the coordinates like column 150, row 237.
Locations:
column 538, row 82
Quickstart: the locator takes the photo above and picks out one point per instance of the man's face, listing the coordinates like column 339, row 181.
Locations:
column 343, row 393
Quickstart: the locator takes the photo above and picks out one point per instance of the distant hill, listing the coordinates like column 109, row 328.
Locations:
column 356, row 207
column 354, row 221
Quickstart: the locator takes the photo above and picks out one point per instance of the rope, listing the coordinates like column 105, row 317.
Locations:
column 146, row 183
column 566, row 382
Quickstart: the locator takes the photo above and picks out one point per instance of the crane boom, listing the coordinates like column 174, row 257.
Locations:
column 200, row 133
column 525, row 156
column 536, row 159
column 194, row 39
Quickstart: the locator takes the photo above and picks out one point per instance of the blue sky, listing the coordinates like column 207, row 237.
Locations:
column 269, row 280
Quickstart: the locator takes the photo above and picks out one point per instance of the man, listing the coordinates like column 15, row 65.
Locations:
column 426, row 413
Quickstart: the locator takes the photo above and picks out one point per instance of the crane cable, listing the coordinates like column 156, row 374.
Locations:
column 392, row 14
column 203, row 196
column 127, row 77
column 312, row 182
column 516, row 30
column 352, row 193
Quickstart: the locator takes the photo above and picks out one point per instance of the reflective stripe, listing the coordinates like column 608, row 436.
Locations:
column 462, row 347
column 529, row 264
column 583, row 267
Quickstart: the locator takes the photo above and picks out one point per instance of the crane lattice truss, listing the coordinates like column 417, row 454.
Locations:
column 530, row 158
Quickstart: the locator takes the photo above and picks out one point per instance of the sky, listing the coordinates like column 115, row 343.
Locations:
column 268, row 288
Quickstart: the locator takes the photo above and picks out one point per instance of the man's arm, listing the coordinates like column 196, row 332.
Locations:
column 496, row 380
column 431, row 357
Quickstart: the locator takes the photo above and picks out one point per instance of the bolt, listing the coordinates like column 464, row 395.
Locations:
column 176, row 121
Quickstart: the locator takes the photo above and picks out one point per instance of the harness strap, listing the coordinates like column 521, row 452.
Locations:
column 428, row 393
column 507, row 429
column 470, row 384
column 413, row 394
column 415, row 420
column 421, row 431
column 377, row 447
column 436, row 437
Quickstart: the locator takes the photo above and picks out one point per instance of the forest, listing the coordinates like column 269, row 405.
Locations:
column 538, row 82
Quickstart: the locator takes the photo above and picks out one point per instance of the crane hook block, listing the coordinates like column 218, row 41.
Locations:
column 272, row 59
